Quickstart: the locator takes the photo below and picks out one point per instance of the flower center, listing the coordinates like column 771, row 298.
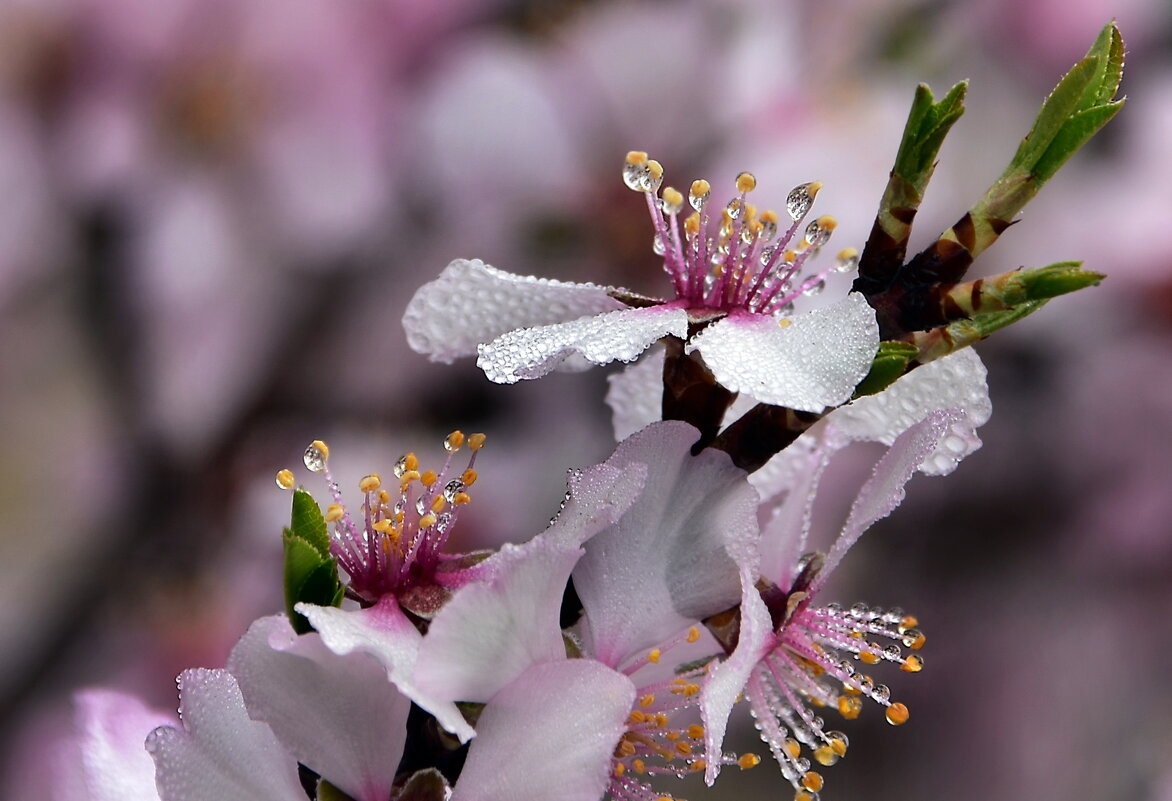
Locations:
column 734, row 258
column 398, row 540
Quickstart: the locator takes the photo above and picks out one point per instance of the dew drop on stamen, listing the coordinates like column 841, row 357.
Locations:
column 881, row 693
column 817, row 235
column 658, row 245
column 400, row 466
column 799, row 201
column 814, row 289
column 315, row 456
column 452, row 489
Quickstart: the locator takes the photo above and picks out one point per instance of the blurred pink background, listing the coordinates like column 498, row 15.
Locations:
column 212, row 213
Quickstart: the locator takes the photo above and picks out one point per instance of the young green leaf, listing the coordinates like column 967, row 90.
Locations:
column 891, row 361
column 308, row 523
column 308, row 578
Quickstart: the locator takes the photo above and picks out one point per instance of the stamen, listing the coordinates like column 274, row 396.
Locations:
column 285, row 479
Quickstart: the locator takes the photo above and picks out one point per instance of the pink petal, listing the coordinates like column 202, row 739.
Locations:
column 635, row 395
column 220, row 754
column 665, row 564
column 107, row 751
column 783, row 540
column 471, row 304
column 488, row 634
column 549, row 736
column 595, row 499
column 384, row 632
column 338, row 715
column 615, row 336
column 885, row 489
column 806, row 362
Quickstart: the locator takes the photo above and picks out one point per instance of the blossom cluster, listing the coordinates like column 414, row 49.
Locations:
column 675, row 587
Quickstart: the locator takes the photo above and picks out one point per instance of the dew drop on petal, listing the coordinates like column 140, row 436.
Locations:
column 814, row 289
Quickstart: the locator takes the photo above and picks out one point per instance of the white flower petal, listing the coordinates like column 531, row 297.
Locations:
column 806, row 362
column 472, row 303
column 635, row 395
column 549, row 736
column 489, row 633
column 107, row 752
column 665, row 563
column 618, row 335
column 955, row 381
column 384, row 632
column 338, row 715
column 220, row 754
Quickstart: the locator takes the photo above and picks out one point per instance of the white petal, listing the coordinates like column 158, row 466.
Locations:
column 489, row 633
column 220, row 754
column 955, row 381
column 595, row 498
column 472, row 303
column 549, row 736
column 635, row 395
column 338, row 715
column 384, row 632
column 806, row 362
column 666, row 563
column 111, row 728
column 617, row 335
column 885, row 489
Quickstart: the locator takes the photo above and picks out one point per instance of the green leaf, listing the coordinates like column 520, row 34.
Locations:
column 308, row 523
column 308, row 578
column 946, row 339
column 1074, row 134
column 890, row 362
column 927, row 125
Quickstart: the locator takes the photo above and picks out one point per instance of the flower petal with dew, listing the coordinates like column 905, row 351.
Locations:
column 792, row 656
column 735, row 275
column 665, row 563
column 220, row 754
column 384, row 632
column 337, row 715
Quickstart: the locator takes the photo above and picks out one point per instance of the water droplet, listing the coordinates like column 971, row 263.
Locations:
column 882, row 693
column 814, row 288
column 799, row 201
column 735, row 207
column 697, row 201
column 452, row 489
column 867, row 684
column 833, row 608
column 847, row 264
column 658, row 245
column 636, row 176
column 837, row 735
column 859, row 610
column 315, row 456
column 444, row 522
column 817, row 234
column 421, row 506
column 893, row 615
column 891, row 652
column 767, row 254
column 802, row 765
column 846, row 667
column 400, row 505
column 400, row 466
column 911, row 637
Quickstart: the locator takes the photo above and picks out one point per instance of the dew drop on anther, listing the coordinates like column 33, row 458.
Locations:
column 316, row 455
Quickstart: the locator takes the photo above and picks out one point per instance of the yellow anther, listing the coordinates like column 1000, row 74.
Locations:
column 791, row 256
column 626, row 747
column 637, row 158
column 750, row 212
column 838, row 745
column 700, row 188
column 812, row 781
column 691, row 689
column 697, row 765
column 913, row 664
column 636, row 716
column 399, row 518
column 802, row 795
column 469, row 477
column 384, row 497
column 684, row 748
column 383, row 525
column 409, row 476
column 428, row 478
column 410, row 462
column 462, row 498
column 655, row 168
column 661, row 719
column 285, row 479
column 793, row 747
column 849, row 690
column 746, row 182
column 693, row 634
column 322, row 448
column 747, row 761
column 647, row 700
column 692, row 224
column 825, row 756
column 846, row 254
column 827, row 223
column 654, row 655
column 334, row 512
column 769, row 216
column 695, row 731
column 673, row 735
column 897, row 714
column 427, row 521
column 619, row 769
column 858, row 635
column 370, row 483
column 476, row 441
column 870, row 657
column 849, row 706
column 639, row 765
column 439, row 503
column 454, row 441
column 908, row 622
column 918, row 642
column 784, row 322
column 813, row 188
column 673, row 200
